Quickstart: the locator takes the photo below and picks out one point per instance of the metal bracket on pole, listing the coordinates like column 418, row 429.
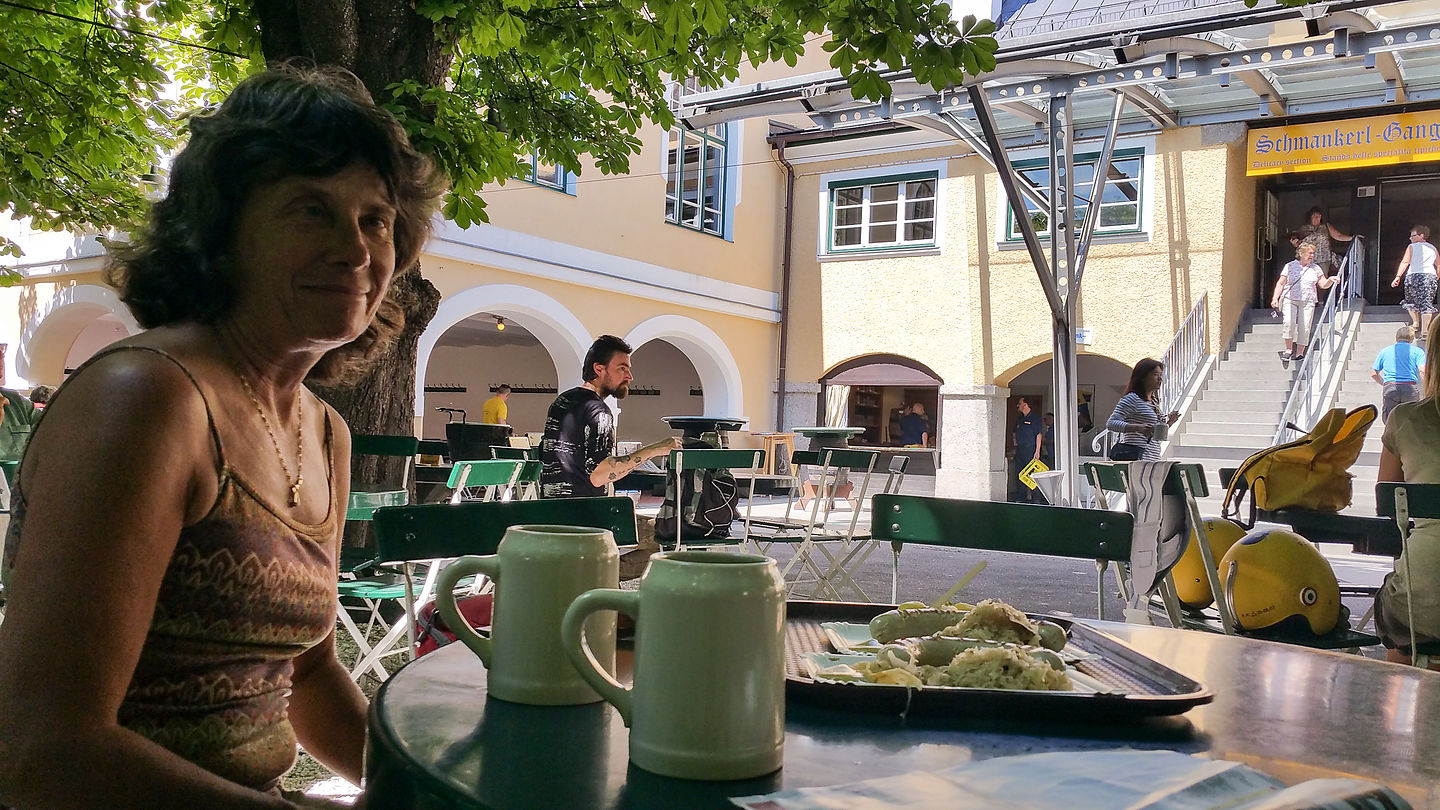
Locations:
column 948, row 123
column 1097, row 192
column 980, row 102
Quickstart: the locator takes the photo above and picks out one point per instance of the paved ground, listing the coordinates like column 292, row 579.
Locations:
column 1036, row 584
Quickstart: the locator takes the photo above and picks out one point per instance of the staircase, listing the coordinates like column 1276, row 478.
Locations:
column 1377, row 330
column 1239, row 409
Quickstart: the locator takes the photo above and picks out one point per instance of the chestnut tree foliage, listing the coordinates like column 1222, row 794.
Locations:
column 94, row 94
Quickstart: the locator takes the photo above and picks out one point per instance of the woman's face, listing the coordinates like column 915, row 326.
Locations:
column 1315, row 218
column 1153, row 379
column 314, row 255
column 1307, row 254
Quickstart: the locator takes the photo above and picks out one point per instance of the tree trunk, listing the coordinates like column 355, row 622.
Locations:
column 383, row 401
column 381, row 42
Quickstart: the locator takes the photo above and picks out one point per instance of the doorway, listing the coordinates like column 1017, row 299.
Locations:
column 1404, row 203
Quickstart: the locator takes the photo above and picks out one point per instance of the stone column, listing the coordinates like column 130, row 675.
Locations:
column 801, row 404
column 972, row 442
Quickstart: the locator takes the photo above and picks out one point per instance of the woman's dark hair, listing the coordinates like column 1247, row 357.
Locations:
column 1138, row 374
column 285, row 122
column 601, row 351
column 1314, row 209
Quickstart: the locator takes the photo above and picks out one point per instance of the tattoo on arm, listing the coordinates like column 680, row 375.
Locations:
column 613, row 476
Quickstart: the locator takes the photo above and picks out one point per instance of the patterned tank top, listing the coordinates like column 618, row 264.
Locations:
column 246, row 591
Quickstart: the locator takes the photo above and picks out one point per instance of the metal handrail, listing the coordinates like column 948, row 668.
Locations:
column 1186, row 354
column 1307, row 400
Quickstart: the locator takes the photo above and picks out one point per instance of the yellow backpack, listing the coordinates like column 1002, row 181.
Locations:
column 1308, row 473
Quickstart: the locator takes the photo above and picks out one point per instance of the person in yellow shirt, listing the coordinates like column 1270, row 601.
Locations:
column 494, row 412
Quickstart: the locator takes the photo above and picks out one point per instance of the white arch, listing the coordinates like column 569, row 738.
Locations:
column 556, row 327
column 719, row 374
column 46, row 340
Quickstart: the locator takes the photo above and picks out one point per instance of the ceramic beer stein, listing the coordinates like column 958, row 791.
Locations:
column 709, row 695
column 538, row 572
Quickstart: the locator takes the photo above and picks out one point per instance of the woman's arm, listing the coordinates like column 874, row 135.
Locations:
column 327, row 709
column 1390, row 468
column 1280, row 285
column 1404, row 265
column 1125, row 409
column 121, row 462
column 1337, row 235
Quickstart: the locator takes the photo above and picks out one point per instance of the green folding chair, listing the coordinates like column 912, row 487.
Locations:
column 828, row 552
column 682, row 461
column 1186, row 481
column 1018, row 528
column 1404, row 501
column 361, row 505
column 488, row 480
column 434, row 533
column 508, row 453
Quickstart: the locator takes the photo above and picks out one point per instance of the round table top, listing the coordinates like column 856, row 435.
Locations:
column 829, row 431
column 704, row 423
column 436, row 741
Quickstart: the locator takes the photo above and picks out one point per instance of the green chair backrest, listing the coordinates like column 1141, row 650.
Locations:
column 839, row 457
column 440, row 530
column 716, row 459
column 515, row 453
column 1423, row 499
column 363, row 504
column 433, row 447
column 1103, row 476
column 371, row 444
column 487, row 473
column 1107, row 476
column 530, row 473
column 1057, row 531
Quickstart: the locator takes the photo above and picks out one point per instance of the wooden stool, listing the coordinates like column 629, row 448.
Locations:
column 779, row 447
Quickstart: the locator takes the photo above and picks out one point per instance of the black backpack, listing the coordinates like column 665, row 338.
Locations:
column 711, row 502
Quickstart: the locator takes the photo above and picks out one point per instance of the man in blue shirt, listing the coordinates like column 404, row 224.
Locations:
column 914, row 429
column 1029, row 435
column 1398, row 369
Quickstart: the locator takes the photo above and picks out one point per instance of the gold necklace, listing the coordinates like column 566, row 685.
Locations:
column 299, row 438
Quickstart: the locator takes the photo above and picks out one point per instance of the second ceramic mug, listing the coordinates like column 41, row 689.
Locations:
column 538, row 571
column 709, row 694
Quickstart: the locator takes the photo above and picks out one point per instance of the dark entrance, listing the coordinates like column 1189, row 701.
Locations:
column 1380, row 204
column 1404, row 203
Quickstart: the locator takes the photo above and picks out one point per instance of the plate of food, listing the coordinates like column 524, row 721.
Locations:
column 987, row 659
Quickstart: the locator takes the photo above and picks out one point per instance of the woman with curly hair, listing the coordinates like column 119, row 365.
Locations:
column 172, row 551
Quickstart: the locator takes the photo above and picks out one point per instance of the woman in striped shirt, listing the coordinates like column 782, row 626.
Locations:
column 1137, row 414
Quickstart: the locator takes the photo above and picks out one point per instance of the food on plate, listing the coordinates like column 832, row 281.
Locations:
column 990, row 620
column 982, row 666
column 906, row 621
column 939, row 651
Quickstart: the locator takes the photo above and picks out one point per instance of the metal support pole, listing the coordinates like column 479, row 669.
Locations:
column 1062, row 264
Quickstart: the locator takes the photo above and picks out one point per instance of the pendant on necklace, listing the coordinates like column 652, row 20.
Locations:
column 295, row 492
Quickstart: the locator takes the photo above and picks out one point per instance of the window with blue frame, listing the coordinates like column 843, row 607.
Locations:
column 695, row 179
column 545, row 174
column 1120, row 207
column 883, row 213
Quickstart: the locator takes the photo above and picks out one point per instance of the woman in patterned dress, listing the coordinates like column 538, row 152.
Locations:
column 176, row 520
column 1317, row 232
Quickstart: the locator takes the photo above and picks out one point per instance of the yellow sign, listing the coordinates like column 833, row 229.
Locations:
column 1035, row 465
column 1379, row 140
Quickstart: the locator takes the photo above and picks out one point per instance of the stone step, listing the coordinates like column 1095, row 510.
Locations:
column 1275, row 398
column 1206, row 428
column 1213, row 456
column 1224, row 440
column 1248, row 381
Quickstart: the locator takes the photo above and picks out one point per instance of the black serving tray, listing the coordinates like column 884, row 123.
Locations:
column 1150, row 689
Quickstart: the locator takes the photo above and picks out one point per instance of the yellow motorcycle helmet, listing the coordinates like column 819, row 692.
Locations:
column 1191, row 583
column 1280, row 577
